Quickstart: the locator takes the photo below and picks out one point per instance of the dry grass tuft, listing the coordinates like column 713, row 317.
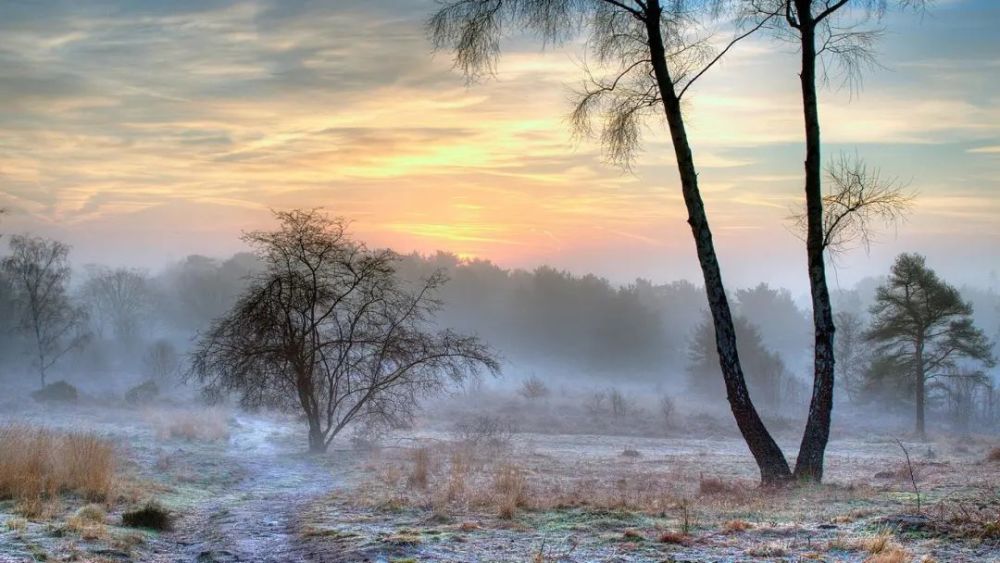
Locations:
column 768, row 549
column 993, row 455
column 876, row 544
column 675, row 538
column 736, row 525
column 892, row 554
column 93, row 513
column 713, row 486
column 421, row 469
column 633, row 535
column 16, row 524
column 38, row 464
column 509, row 488
column 204, row 425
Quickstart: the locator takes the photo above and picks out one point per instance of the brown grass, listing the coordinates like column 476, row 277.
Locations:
column 39, row 464
column 713, row 486
column 768, row 549
column 509, row 487
column 993, row 455
column 675, row 538
column 736, row 525
column 893, row 554
column 421, row 469
column 204, row 425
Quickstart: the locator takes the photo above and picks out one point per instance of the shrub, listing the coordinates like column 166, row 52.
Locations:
column 993, row 455
column 38, row 463
column 151, row 515
column 60, row 392
column 533, row 388
column 482, row 430
column 142, row 394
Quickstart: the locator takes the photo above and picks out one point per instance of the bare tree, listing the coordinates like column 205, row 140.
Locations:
column 533, row 388
column 118, row 298
column 654, row 55
column 837, row 31
column 38, row 269
column 329, row 330
column 161, row 361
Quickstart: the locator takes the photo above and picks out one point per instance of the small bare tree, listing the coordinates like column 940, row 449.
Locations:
column 38, row 270
column 329, row 330
column 533, row 388
column 118, row 298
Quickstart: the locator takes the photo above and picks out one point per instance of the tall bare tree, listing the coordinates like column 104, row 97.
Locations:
column 837, row 31
column 654, row 56
column 39, row 272
column 329, row 330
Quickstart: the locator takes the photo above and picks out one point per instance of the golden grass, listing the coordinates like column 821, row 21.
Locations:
column 39, row 464
column 891, row 555
column 16, row 524
column 203, row 425
column 509, row 487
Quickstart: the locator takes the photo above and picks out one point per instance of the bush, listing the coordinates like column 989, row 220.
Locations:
column 60, row 391
column 142, row 394
column 489, row 431
column 533, row 388
column 38, row 463
column 151, row 516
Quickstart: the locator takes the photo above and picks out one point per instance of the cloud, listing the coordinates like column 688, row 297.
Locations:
column 129, row 114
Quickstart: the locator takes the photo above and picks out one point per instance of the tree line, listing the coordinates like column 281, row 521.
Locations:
column 129, row 324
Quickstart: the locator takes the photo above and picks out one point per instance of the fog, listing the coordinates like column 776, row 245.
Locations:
column 578, row 333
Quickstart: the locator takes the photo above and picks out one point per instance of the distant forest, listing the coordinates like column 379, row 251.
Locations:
column 547, row 323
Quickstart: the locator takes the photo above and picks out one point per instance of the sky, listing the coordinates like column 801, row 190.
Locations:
column 141, row 131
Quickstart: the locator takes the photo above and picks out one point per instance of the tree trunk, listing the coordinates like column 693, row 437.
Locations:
column 770, row 459
column 809, row 464
column 317, row 438
column 921, row 392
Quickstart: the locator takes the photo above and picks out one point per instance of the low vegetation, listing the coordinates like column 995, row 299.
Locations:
column 151, row 516
column 39, row 464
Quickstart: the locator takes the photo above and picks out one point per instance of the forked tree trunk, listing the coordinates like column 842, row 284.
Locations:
column 774, row 468
column 809, row 464
column 317, row 439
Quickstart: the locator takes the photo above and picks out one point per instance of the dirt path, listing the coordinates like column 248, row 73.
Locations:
column 256, row 518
